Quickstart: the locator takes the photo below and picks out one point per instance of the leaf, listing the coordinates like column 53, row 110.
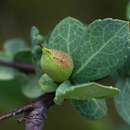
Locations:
column 6, row 73
column 14, row 45
column 47, row 84
column 124, row 71
column 92, row 109
column 9, row 73
column 122, row 102
column 83, row 91
column 24, row 56
column 31, row 88
column 60, row 91
column 37, row 39
column 97, row 50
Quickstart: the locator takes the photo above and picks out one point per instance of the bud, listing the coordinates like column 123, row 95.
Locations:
column 57, row 64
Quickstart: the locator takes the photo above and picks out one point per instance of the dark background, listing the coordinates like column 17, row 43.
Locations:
column 16, row 19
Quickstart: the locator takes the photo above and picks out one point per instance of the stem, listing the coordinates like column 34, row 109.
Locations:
column 27, row 68
column 36, row 112
column 36, row 118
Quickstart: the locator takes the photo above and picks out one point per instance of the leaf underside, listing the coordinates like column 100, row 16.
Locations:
column 83, row 91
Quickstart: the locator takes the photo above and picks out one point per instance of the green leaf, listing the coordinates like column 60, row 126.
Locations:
column 60, row 91
column 83, row 91
column 14, row 45
column 124, row 71
column 31, row 87
column 37, row 39
column 6, row 73
column 24, row 56
column 122, row 102
column 47, row 84
column 91, row 109
column 97, row 50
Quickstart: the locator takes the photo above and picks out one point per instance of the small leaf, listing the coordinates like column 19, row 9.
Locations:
column 47, row 84
column 31, row 88
column 91, row 109
column 60, row 91
column 14, row 45
column 24, row 56
column 6, row 73
column 83, row 91
column 122, row 102
column 37, row 39
column 97, row 50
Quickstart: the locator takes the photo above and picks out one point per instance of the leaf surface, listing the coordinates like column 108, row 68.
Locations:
column 83, row 91
column 122, row 102
column 92, row 109
column 30, row 87
column 23, row 56
column 47, row 84
column 97, row 50
column 13, row 46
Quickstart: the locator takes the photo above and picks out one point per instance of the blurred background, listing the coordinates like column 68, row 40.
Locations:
column 16, row 19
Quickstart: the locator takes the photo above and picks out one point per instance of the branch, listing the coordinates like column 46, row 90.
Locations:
column 36, row 112
column 27, row 68
column 36, row 118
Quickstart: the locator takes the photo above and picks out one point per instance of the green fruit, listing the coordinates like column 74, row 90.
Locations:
column 57, row 64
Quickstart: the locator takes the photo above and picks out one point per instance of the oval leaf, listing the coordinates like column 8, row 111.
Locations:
column 23, row 56
column 91, row 109
column 96, row 50
column 47, row 84
column 14, row 45
column 31, row 87
column 83, row 91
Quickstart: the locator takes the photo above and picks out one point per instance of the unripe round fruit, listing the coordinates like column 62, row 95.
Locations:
column 57, row 64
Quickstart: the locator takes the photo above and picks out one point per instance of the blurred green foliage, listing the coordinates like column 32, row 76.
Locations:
column 16, row 19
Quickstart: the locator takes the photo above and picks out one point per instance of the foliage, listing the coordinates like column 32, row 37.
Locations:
column 98, row 50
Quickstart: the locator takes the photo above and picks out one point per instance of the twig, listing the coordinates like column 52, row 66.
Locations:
column 17, row 112
column 36, row 118
column 27, row 68
column 36, row 112
column 46, row 99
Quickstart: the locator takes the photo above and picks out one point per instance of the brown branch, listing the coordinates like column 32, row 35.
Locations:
column 27, row 68
column 36, row 112
column 36, row 118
